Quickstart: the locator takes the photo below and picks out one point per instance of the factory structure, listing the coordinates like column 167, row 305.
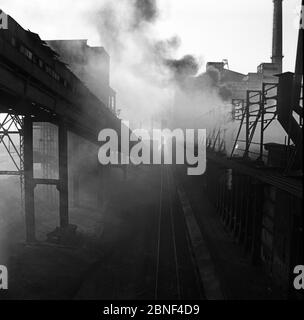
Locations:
column 266, row 72
column 55, row 100
column 256, row 184
column 50, row 114
column 92, row 66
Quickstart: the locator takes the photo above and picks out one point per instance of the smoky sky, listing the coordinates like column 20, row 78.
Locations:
column 116, row 31
column 146, row 65
column 204, row 82
column 145, row 11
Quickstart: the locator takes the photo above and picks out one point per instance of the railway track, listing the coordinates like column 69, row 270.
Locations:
column 176, row 274
column 153, row 258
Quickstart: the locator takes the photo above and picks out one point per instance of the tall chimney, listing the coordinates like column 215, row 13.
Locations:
column 277, row 35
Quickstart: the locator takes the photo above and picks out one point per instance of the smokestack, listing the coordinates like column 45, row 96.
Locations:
column 277, row 35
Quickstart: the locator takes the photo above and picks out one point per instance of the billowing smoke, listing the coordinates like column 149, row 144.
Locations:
column 184, row 67
column 145, row 11
column 223, row 91
column 145, row 69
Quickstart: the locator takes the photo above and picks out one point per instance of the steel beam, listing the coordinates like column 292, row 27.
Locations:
column 28, row 180
column 63, row 175
column 75, row 173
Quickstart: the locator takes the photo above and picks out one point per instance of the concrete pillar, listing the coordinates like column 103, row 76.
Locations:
column 75, row 189
column 28, row 180
column 63, row 176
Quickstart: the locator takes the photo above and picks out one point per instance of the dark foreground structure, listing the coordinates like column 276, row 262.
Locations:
column 37, row 87
column 258, row 190
column 148, row 232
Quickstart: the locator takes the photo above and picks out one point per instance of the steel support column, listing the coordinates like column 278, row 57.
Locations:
column 75, row 171
column 28, row 179
column 75, row 200
column 63, row 176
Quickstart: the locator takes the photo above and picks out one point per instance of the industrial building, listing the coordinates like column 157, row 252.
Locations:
column 257, row 185
column 50, row 92
column 235, row 232
column 90, row 64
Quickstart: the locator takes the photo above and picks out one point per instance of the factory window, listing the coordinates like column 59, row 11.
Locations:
column 65, row 84
column 26, row 52
column 13, row 42
column 29, row 54
column 52, row 73
column 35, row 59
column 48, row 69
column 56, row 76
column 22, row 49
column 40, row 63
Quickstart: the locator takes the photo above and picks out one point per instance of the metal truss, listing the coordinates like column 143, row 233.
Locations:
column 258, row 110
column 12, row 139
column 216, row 140
column 297, row 103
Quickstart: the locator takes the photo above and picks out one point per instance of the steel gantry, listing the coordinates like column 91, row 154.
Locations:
column 12, row 140
column 16, row 137
column 257, row 110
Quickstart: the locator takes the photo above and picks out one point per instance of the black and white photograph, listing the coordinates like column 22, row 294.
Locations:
column 151, row 154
